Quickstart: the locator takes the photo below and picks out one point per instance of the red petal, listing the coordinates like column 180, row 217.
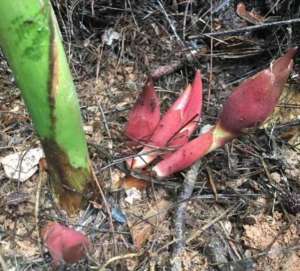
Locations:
column 64, row 244
column 191, row 152
column 162, row 133
column 186, row 108
column 145, row 115
column 253, row 101
column 181, row 138
column 172, row 120
column 184, row 156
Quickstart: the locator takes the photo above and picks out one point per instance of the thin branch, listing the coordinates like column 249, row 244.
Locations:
column 107, row 207
column 189, row 183
column 197, row 233
column 41, row 181
column 117, row 258
column 170, row 23
column 245, row 29
column 3, row 263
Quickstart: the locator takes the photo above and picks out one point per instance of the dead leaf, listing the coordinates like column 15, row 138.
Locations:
column 22, row 165
column 130, row 182
column 142, row 230
column 117, row 178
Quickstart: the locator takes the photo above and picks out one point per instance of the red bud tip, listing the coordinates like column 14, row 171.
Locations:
column 145, row 115
column 254, row 100
column 194, row 107
column 64, row 244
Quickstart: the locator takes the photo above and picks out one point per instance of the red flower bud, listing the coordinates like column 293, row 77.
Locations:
column 253, row 101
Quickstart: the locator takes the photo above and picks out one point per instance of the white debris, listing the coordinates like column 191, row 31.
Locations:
column 22, row 165
column 205, row 128
column 109, row 36
column 132, row 195
column 88, row 129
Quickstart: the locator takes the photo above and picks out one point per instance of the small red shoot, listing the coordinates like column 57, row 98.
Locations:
column 65, row 245
column 145, row 115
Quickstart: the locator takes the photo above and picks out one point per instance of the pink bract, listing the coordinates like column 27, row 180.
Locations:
column 64, row 244
column 145, row 115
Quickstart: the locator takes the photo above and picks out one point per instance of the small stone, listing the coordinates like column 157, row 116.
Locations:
column 276, row 177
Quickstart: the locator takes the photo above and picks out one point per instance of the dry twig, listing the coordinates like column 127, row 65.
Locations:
column 189, row 183
column 246, row 29
column 117, row 258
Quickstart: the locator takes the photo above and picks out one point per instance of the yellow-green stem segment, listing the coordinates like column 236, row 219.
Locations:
column 31, row 41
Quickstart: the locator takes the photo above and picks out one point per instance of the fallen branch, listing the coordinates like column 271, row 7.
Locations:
column 245, row 29
column 189, row 183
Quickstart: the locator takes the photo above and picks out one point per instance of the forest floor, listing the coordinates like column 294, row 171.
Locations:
column 243, row 213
